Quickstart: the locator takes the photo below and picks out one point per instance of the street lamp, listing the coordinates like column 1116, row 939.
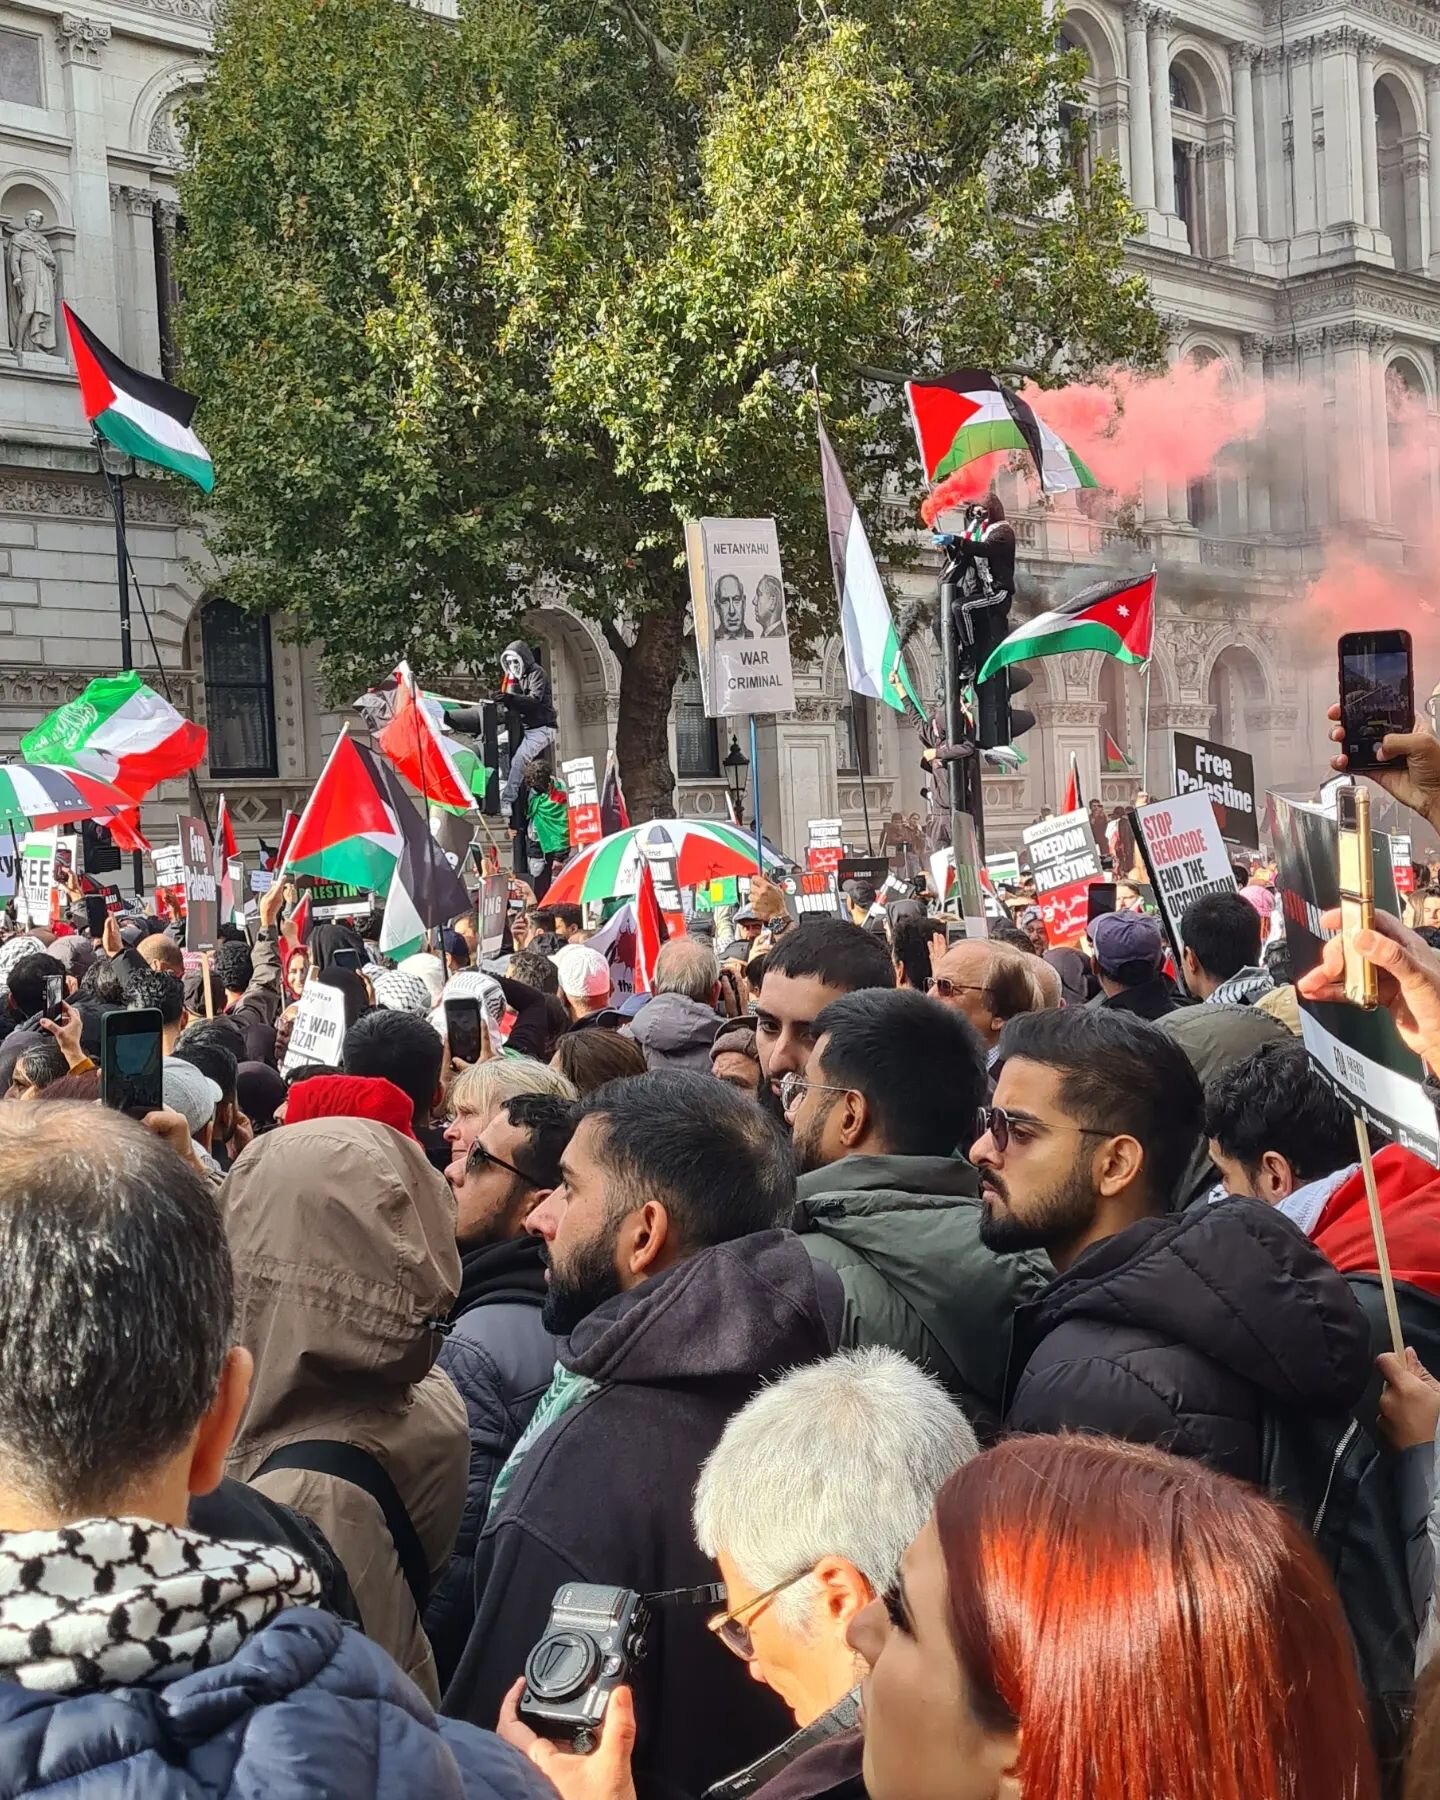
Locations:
column 737, row 773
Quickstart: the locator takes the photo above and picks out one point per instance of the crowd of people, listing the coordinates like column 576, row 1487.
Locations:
column 971, row 1353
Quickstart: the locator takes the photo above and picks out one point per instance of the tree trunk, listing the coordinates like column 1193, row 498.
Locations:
column 642, row 732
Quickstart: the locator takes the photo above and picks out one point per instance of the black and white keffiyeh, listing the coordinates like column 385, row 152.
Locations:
column 115, row 1602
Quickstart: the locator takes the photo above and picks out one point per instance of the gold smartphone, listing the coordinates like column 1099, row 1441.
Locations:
column 1357, row 891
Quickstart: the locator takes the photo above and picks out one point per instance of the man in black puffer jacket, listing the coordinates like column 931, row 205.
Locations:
column 1185, row 1331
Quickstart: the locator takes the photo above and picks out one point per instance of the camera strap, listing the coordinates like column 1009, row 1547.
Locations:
column 712, row 1594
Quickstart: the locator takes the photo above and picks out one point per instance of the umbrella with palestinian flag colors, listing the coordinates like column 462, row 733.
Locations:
column 39, row 795
column 137, row 413
column 1117, row 618
column 703, row 851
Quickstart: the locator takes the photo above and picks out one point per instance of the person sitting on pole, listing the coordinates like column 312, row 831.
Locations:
column 986, row 555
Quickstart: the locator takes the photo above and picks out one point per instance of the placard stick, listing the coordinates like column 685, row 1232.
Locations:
column 1377, row 1231
column 205, row 977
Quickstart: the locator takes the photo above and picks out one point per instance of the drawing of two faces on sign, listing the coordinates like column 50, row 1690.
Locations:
column 738, row 616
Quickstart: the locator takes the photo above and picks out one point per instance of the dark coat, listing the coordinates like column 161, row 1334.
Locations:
column 529, row 701
column 306, row 1706
column 1185, row 1331
column 500, row 1357
column 1153, row 999
column 604, row 1494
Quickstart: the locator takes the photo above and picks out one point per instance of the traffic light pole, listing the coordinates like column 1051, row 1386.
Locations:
column 967, row 769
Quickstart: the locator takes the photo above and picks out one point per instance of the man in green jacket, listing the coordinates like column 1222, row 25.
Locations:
column 885, row 1101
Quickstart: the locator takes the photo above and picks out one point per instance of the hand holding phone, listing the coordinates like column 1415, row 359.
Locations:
column 1377, row 693
column 1357, row 892
column 463, row 1030
column 132, row 1061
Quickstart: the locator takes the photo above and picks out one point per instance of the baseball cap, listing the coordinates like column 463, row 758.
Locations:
column 191, row 1093
column 584, row 973
column 747, row 915
column 1127, row 945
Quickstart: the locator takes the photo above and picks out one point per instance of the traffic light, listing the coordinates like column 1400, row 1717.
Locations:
column 98, row 853
column 1001, row 721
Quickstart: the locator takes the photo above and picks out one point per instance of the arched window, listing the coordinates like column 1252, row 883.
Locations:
column 697, row 740
column 239, row 691
column 1182, row 95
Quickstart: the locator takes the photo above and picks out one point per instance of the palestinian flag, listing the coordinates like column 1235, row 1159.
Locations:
column 968, row 415
column 1073, row 800
column 139, row 414
column 121, row 730
column 1115, row 758
column 414, row 742
column 614, row 814
column 1117, row 618
column 873, row 663
column 348, row 831
column 425, row 891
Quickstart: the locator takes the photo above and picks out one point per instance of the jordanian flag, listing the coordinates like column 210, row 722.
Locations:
column 873, row 663
column 139, row 414
column 1117, row 618
column 119, row 729
column 964, row 416
column 348, row 831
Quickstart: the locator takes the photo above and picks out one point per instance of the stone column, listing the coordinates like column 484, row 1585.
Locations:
column 133, row 216
column 1247, row 201
column 92, row 274
column 1432, row 116
column 1379, row 424
column 1178, row 505
column 1369, row 151
column 1344, row 202
column 1254, row 488
column 1161, row 26
column 1137, row 70
column 1272, row 148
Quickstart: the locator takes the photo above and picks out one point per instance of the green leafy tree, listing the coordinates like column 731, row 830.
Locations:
column 477, row 308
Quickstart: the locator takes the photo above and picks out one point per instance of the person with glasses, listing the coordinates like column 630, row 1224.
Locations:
column 989, row 983
column 820, row 961
column 1189, row 1330
column 880, row 1123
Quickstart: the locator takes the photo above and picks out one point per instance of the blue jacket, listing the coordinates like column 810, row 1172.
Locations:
column 305, row 1707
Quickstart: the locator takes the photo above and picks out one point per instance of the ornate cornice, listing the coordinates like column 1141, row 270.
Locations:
column 1243, row 53
column 144, row 503
column 1419, row 20
column 198, row 12
column 81, row 40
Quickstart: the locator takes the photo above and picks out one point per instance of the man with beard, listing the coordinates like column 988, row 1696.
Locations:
column 884, row 1199
column 499, row 1353
column 822, row 960
column 676, row 1296
column 1188, row 1331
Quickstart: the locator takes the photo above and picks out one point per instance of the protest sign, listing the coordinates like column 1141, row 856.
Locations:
column 738, row 597
column 37, row 873
column 816, row 892
column 1181, row 845
column 169, row 866
column 1064, row 861
column 261, row 880
column 202, row 891
column 825, row 846
column 1004, row 868
column 874, row 869
column 494, row 896
column 1228, row 776
column 1400, row 863
column 583, row 794
column 319, row 1029
column 1360, row 1052
column 334, row 899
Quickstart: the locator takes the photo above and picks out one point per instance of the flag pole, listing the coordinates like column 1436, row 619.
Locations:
column 115, row 488
column 860, row 773
column 1145, row 731
column 755, row 774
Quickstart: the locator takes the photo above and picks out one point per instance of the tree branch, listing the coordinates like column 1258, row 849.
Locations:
column 667, row 59
column 617, row 643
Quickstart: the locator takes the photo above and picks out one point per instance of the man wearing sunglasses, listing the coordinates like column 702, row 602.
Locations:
column 498, row 1353
column 1192, row 1331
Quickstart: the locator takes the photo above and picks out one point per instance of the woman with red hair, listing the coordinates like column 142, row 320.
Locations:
column 1089, row 1620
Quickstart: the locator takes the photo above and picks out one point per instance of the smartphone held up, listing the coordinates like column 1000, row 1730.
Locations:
column 1377, row 693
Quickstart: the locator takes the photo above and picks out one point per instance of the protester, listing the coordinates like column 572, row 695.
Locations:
column 345, row 1353
column 747, row 925
column 164, row 993
column 677, row 1298
column 535, row 971
column 260, row 1092
column 1129, row 961
column 318, row 1093
column 498, row 1353
column 250, row 980
column 884, row 1199
column 911, row 944
column 677, row 1026
column 144, row 1654
column 590, row 1059
column 408, row 1052
column 988, row 984
column 477, row 1093
column 733, row 1056
column 210, row 1045
column 584, row 979
column 1279, row 1132
column 403, row 993
column 803, row 973
column 1186, row 1331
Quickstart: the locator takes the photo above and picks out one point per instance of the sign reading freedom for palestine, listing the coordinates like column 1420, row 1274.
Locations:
column 737, row 594
column 1064, row 861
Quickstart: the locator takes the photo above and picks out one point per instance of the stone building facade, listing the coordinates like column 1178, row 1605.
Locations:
column 1279, row 152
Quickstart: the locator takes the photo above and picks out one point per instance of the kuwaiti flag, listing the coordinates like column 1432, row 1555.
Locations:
column 969, row 414
column 1117, row 618
column 119, row 729
column 873, row 662
column 140, row 414
column 425, row 891
column 348, row 830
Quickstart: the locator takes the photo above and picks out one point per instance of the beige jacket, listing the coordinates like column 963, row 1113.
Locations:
column 343, row 1239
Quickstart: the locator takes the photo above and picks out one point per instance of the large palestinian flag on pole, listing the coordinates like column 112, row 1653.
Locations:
column 348, row 831
column 966, row 415
column 139, row 414
column 426, row 892
column 1117, row 618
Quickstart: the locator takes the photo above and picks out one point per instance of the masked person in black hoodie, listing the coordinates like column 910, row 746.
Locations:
column 677, row 1296
column 498, row 1353
column 1188, row 1331
column 525, row 695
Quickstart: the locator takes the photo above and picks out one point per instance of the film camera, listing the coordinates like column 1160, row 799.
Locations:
column 595, row 1636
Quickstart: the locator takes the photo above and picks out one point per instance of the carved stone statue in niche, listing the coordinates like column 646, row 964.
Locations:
column 30, row 282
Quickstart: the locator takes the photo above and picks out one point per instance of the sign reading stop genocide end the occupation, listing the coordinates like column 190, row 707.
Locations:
column 1064, row 862
column 1185, row 854
column 1228, row 777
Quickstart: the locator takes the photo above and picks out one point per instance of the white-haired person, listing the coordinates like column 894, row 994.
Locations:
column 813, row 1494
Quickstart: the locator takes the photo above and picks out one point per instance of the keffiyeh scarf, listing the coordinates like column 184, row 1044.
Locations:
column 115, row 1602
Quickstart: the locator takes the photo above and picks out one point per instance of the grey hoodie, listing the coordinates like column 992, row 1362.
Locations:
column 675, row 1032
